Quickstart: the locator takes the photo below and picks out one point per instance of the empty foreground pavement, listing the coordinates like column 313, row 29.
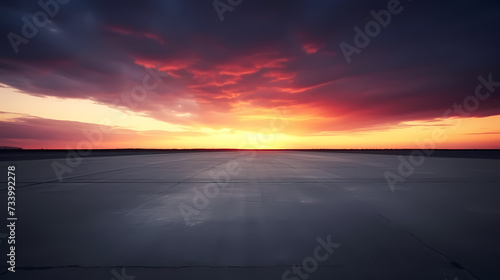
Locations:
column 240, row 215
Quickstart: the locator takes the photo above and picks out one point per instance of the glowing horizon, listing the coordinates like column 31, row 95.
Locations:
column 146, row 132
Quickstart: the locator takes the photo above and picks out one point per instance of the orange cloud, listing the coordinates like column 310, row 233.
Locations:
column 311, row 48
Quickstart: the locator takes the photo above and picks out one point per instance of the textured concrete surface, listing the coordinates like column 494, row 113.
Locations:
column 230, row 215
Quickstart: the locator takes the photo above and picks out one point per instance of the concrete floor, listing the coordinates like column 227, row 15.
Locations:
column 250, row 216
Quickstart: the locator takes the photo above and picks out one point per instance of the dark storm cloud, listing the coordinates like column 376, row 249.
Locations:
column 266, row 53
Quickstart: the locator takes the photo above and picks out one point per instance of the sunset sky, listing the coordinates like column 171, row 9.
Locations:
column 271, row 74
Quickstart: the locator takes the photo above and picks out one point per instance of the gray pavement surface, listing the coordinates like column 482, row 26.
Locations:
column 253, row 215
